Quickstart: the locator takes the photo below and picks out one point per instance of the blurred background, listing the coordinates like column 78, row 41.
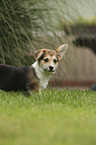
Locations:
column 29, row 25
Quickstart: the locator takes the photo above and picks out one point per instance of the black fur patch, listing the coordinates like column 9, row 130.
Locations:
column 16, row 78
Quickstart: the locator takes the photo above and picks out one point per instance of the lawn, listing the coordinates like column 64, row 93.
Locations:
column 55, row 117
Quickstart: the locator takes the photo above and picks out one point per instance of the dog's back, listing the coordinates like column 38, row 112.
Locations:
column 13, row 78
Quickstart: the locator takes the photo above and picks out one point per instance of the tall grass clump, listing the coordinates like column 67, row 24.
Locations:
column 20, row 21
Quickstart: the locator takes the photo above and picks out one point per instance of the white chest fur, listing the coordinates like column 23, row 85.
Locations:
column 42, row 75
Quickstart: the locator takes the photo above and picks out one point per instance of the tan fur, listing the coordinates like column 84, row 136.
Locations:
column 33, row 81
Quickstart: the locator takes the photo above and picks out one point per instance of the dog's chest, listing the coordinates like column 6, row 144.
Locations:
column 43, row 76
column 43, row 80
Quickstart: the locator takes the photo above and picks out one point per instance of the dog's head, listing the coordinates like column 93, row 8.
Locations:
column 48, row 59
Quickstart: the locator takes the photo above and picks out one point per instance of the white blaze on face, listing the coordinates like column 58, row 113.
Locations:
column 54, row 65
column 46, row 65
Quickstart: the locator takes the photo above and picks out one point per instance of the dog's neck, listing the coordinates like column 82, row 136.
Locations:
column 42, row 75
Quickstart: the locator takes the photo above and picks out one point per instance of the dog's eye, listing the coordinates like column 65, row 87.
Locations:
column 46, row 59
column 54, row 60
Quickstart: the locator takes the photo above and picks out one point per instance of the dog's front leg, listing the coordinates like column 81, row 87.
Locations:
column 33, row 88
column 33, row 91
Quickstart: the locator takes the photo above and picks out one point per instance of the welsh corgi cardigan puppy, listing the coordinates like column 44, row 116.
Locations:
column 34, row 77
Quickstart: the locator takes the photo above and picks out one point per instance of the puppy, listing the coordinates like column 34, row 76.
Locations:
column 34, row 77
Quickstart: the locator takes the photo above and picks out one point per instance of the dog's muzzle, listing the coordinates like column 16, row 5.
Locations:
column 50, row 69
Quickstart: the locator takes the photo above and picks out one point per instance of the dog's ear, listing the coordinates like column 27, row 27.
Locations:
column 39, row 54
column 61, row 51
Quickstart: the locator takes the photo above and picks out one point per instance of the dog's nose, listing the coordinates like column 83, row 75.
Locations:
column 51, row 68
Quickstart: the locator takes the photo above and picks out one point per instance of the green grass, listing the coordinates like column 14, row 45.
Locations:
column 55, row 117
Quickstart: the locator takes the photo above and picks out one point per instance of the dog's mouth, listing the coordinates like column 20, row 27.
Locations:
column 49, row 70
